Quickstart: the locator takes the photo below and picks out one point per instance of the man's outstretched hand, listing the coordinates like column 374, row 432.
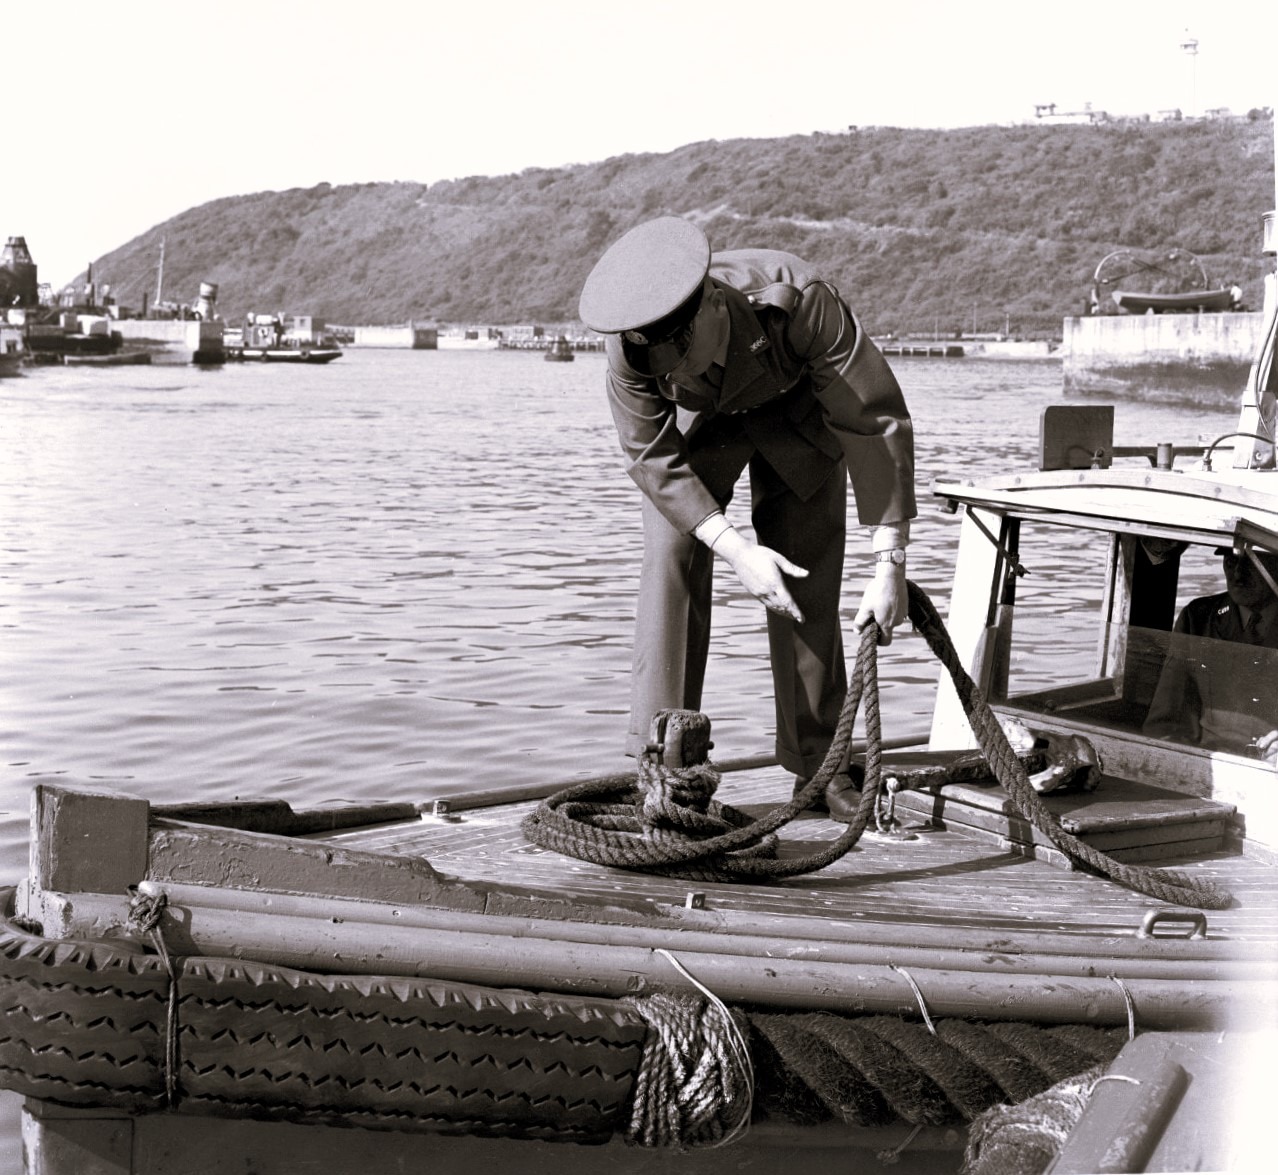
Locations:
column 762, row 572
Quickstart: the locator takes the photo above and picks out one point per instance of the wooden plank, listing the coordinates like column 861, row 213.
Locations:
column 1178, row 1101
column 1117, row 803
column 215, row 856
column 1015, row 828
column 90, row 840
column 280, row 819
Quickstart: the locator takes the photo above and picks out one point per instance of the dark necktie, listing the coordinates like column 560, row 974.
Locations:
column 714, row 376
column 1251, row 630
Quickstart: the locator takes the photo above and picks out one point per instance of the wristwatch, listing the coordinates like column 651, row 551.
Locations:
column 895, row 555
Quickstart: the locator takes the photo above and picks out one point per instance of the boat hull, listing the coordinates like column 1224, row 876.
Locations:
column 283, row 354
column 1192, row 301
column 389, row 1053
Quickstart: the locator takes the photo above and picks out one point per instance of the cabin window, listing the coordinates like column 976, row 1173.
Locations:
column 1053, row 649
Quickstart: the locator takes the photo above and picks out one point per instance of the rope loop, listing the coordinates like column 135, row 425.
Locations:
column 669, row 822
column 694, row 1086
column 145, row 910
column 672, row 794
column 1167, row 884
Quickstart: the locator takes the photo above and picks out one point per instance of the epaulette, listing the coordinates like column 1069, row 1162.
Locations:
column 782, row 295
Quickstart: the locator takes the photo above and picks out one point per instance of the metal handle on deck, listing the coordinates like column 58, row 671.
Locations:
column 1194, row 923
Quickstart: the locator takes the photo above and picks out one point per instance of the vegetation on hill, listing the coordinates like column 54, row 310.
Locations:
column 980, row 228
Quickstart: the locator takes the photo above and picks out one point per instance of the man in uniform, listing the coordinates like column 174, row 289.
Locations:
column 1220, row 695
column 748, row 359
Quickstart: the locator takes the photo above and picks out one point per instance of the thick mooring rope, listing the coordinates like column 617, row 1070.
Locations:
column 1166, row 884
column 692, row 1087
column 668, row 821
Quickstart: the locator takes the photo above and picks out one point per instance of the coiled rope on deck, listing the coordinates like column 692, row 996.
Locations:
column 668, row 822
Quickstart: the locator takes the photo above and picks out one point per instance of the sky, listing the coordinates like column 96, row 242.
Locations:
column 118, row 116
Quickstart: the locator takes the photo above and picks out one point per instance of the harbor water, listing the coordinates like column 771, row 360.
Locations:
column 399, row 574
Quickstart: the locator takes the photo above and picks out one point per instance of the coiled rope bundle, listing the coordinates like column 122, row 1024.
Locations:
column 668, row 821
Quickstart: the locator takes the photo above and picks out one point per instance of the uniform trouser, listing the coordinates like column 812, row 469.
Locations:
column 672, row 624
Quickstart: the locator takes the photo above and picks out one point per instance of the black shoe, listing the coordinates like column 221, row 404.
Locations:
column 842, row 794
column 843, row 797
column 816, row 805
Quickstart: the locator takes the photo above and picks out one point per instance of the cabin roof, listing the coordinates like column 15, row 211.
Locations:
column 1229, row 507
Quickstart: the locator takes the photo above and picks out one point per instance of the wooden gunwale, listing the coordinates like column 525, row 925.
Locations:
column 952, row 899
column 1155, row 958
column 1157, row 482
column 616, row 971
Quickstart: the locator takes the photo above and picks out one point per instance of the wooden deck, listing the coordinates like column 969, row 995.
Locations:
column 934, row 882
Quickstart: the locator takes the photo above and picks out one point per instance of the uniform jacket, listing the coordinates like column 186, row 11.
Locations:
column 1220, row 618
column 801, row 379
column 1215, row 689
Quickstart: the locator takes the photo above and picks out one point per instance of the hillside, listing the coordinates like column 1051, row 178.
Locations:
column 975, row 228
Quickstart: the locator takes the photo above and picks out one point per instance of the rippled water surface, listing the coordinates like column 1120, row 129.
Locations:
column 375, row 579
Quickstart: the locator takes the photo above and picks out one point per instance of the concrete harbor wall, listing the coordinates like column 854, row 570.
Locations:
column 410, row 336
column 1197, row 358
column 174, row 340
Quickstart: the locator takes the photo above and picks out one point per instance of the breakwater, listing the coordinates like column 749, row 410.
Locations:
column 1181, row 358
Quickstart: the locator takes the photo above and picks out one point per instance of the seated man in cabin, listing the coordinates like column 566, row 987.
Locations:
column 1216, row 687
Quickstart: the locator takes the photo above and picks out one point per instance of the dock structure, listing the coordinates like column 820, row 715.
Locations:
column 174, row 340
column 922, row 349
column 411, row 336
column 1203, row 357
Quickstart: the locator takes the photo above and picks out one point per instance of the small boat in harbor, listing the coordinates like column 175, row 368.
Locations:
column 1174, row 279
column 560, row 351
column 117, row 359
column 1186, row 302
column 264, row 339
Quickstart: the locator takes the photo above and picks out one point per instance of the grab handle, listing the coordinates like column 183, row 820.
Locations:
column 1192, row 922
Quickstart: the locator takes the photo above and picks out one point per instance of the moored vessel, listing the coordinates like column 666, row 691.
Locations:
column 264, row 339
column 469, row 339
column 560, row 351
column 504, row 977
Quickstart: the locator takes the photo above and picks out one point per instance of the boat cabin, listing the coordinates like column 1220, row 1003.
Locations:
column 1129, row 545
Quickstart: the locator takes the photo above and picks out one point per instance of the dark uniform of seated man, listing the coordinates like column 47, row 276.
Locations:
column 1217, row 686
column 741, row 360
